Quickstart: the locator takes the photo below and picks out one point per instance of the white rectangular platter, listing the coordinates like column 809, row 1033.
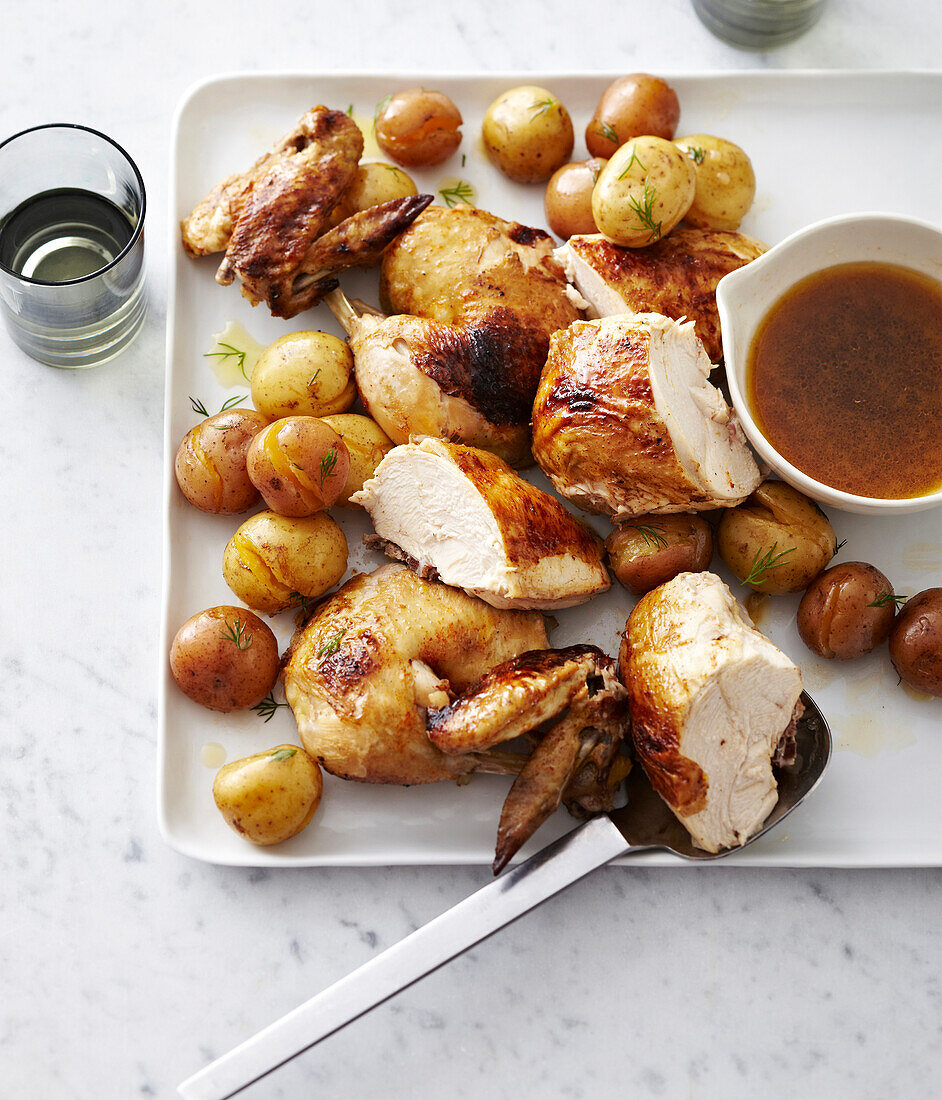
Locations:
column 822, row 144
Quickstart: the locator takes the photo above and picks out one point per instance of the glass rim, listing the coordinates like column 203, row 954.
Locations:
column 138, row 229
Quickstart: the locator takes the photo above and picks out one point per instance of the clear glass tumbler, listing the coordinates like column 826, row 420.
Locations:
column 72, row 208
column 758, row 24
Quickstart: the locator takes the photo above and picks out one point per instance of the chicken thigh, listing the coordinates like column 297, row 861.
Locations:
column 677, row 276
column 626, row 422
column 462, row 516
column 712, row 700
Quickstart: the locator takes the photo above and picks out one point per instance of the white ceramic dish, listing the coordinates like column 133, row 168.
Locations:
column 810, row 136
column 745, row 297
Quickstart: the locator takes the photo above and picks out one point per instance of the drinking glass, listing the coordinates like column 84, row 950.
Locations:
column 72, row 208
column 758, row 24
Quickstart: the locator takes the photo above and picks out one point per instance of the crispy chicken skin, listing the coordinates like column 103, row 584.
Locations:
column 625, row 421
column 712, row 701
column 677, row 276
column 373, row 656
column 464, row 516
column 571, row 703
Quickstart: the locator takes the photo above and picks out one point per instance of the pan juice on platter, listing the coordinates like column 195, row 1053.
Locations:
column 845, row 379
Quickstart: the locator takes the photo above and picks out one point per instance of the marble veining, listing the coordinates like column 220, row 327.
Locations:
column 124, row 967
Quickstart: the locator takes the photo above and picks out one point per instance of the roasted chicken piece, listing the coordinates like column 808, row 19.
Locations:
column 676, row 276
column 570, row 702
column 268, row 219
column 713, row 705
column 626, row 422
column 370, row 660
column 462, row 516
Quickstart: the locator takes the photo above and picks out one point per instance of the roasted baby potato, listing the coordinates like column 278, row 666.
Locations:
column 847, row 611
column 527, row 133
column 725, row 182
column 643, row 192
column 568, row 198
column 366, row 444
column 631, row 106
column 225, row 658
column 651, row 550
column 373, row 184
column 304, row 374
column 916, row 642
column 418, row 127
column 276, row 562
column 299, row 464
column 777, row 540
column 269, row 796
column 210, row 465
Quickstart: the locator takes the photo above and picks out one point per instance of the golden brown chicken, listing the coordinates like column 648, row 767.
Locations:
column 269, row 219
column 376, row 654
column 713, row 703
column 571, row 704
column 677, row 276
column 462, row 516
column 625, row 421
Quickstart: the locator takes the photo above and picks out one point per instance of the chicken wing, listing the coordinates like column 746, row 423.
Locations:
column 677, row 276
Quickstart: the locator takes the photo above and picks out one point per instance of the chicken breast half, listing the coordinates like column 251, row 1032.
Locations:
column 626, row 422
column 374, row 656
column 711, row 700
column 462, row 516
column 677, row 276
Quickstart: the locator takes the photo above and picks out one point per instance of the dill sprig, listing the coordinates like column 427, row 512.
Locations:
column 635, row 159
column 887, row 597
column 330, row 647
column 230, row 352
column 267, row 707
column 313, row 378
column 235, row 632
column 764, row 563
column 644, row 209
column 199, row 407
column 542, row 106
column 461, row 192
column 328, row 462
column 696, row 154
column 842, row 543
column 283, row 754
column 380, row 107
column 651, row 533
column 607, row 130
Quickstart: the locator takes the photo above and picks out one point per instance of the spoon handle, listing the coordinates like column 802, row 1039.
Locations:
column 498, row 903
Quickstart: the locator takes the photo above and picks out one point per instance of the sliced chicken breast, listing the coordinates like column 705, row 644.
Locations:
column 711, row 700
column 462, row 516
column 626, row 422
column 677, row 276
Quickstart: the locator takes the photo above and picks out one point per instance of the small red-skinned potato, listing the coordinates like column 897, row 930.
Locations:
column 630, row 106
column 418, row 127
column 916, row 642
column 846, row 611
column 299, row 464
column 270, row 796
column 225, row 658
column 568, row 198
column 210, row 464
column 651, row 550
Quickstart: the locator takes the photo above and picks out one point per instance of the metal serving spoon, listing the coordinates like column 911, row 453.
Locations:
column 644, row 824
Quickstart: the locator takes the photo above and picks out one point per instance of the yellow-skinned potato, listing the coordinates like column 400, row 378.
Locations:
column 274, row 562
column 270, row 796
column 643, row 192
column 366, row 443
column 527, row 133
column 299, row 464
column 777, row 540
column 725, row 182
column 304, row 374
column 373, row 184
column 210, row 464
column 225, row 658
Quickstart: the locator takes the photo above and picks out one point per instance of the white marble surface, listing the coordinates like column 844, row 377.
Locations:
column 124, row 966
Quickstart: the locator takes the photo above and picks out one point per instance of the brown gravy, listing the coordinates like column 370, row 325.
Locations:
column 844, row 379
